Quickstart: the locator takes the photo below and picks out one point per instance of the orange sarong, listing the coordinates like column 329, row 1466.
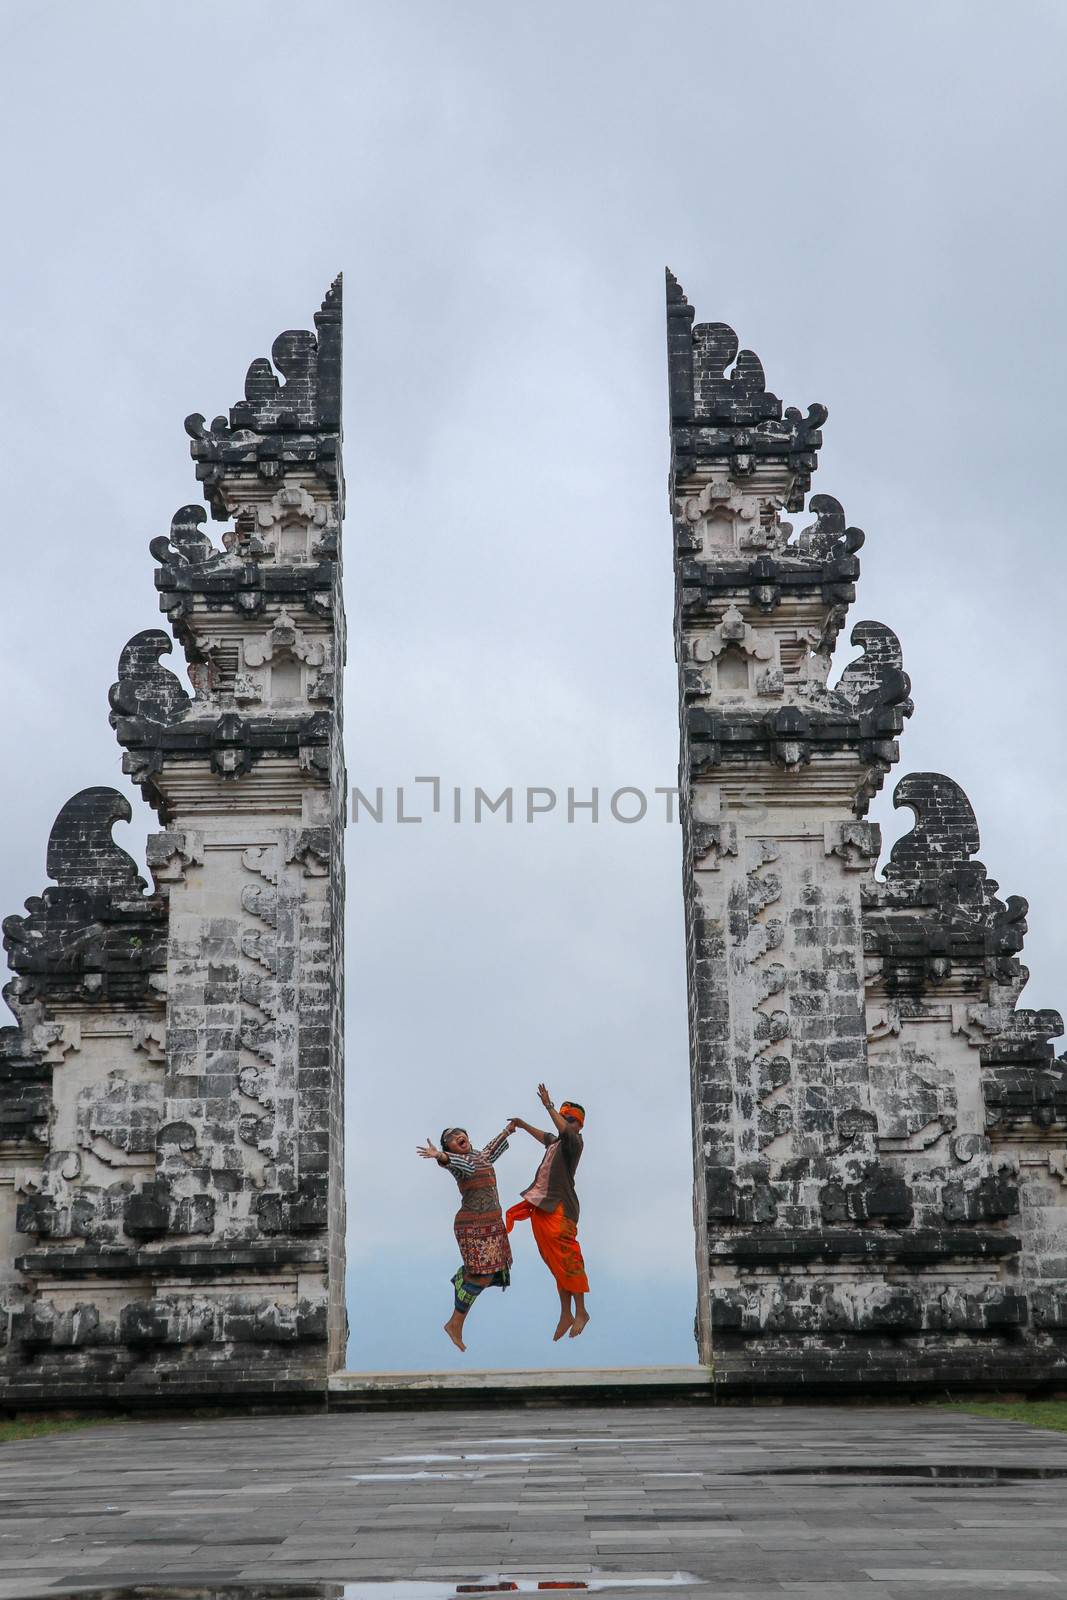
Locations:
column 556, row 1237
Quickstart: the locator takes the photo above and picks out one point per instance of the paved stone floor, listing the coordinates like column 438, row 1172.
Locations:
column 434, row 1499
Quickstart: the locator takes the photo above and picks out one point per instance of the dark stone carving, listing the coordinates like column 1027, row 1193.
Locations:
column 788, row 736
column 25, row 1092
column 911, row 1247
column 146, row 1214
column 279, row 424
column 992, row 1199
column 187, row 545
column 299, row 1213
column 147, row 698
column 311, row 847
column 745, row 1197
column 982, row 1310
column 938, row 911
column 1049, row 1307
column 876, row 679
column 243, row 587
column 766, row 579
column 97, row 936
column 945, row 834
column 231, row 743
column 881, row 1195
column 728, row 415
column 1015, row 1097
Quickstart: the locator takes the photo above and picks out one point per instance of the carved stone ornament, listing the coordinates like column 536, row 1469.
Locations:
column 283, row 637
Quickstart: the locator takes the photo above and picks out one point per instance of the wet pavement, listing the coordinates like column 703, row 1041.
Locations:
column 845, row 1504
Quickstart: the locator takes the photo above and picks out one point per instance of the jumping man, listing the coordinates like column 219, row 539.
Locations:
column 551, row 1204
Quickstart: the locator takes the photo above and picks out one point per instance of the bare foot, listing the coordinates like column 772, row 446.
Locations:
column 579, row 1323
column 452, row 1328
column 564, row 1323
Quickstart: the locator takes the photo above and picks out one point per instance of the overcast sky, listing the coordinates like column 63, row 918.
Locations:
column 872, row 196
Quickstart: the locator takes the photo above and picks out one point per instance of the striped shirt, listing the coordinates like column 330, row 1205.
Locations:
column 465, row 1166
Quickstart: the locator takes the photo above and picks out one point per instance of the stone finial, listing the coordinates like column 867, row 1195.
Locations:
column 186, row 545
column 146, row 693
column 945, row 832
column 298, row 397
column 81, row 852
column 306, row 397
column 937, row 912
column 96, row 935
column 877, row 677
column 721, row 409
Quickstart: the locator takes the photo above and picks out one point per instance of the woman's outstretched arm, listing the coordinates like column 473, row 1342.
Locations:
column 430, row 1152
column 496, row 1147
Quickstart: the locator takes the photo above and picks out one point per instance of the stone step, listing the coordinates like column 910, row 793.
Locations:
column 522, row 1386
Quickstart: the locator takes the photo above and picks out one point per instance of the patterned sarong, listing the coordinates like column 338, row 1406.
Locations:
column 484, row 1247
column 556, row 1237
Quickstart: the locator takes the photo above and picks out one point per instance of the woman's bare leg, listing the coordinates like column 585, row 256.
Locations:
column 566, row 1315
column 454, row 1325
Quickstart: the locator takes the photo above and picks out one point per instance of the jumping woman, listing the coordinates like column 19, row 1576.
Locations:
column 483, row 1242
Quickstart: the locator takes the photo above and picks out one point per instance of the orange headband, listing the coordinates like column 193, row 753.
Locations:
column 569, row 1109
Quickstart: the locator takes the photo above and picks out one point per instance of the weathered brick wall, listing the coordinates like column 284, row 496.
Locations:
column 171, row 1112
column 879, row 1133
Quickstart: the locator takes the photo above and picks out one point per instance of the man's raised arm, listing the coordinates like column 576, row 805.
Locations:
column 560, row 1123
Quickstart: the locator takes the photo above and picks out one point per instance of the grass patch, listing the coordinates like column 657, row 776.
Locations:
column 1037, row 1413
column 37, row 1427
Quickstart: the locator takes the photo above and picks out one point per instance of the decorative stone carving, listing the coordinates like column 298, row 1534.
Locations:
column 96, row 936
column 283, row 637
column 311, row 848
column 170, row 854
column 292, row 526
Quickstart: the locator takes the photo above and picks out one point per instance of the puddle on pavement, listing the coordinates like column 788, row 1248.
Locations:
column 595, row 1581
column 512, row 1464
column 603, row 1438
column 962, row 1472
column 498, row 1455
column 417, row 1477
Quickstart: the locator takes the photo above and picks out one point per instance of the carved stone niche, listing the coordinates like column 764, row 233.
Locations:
column 284, row 651
column 290, row 528
column 724, row 516
column 728, row 648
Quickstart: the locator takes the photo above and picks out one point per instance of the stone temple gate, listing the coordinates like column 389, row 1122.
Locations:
column 171, row 1160
column 880, row 1135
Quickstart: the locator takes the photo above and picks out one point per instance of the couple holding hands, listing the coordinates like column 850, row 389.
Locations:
column 550, row 1204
